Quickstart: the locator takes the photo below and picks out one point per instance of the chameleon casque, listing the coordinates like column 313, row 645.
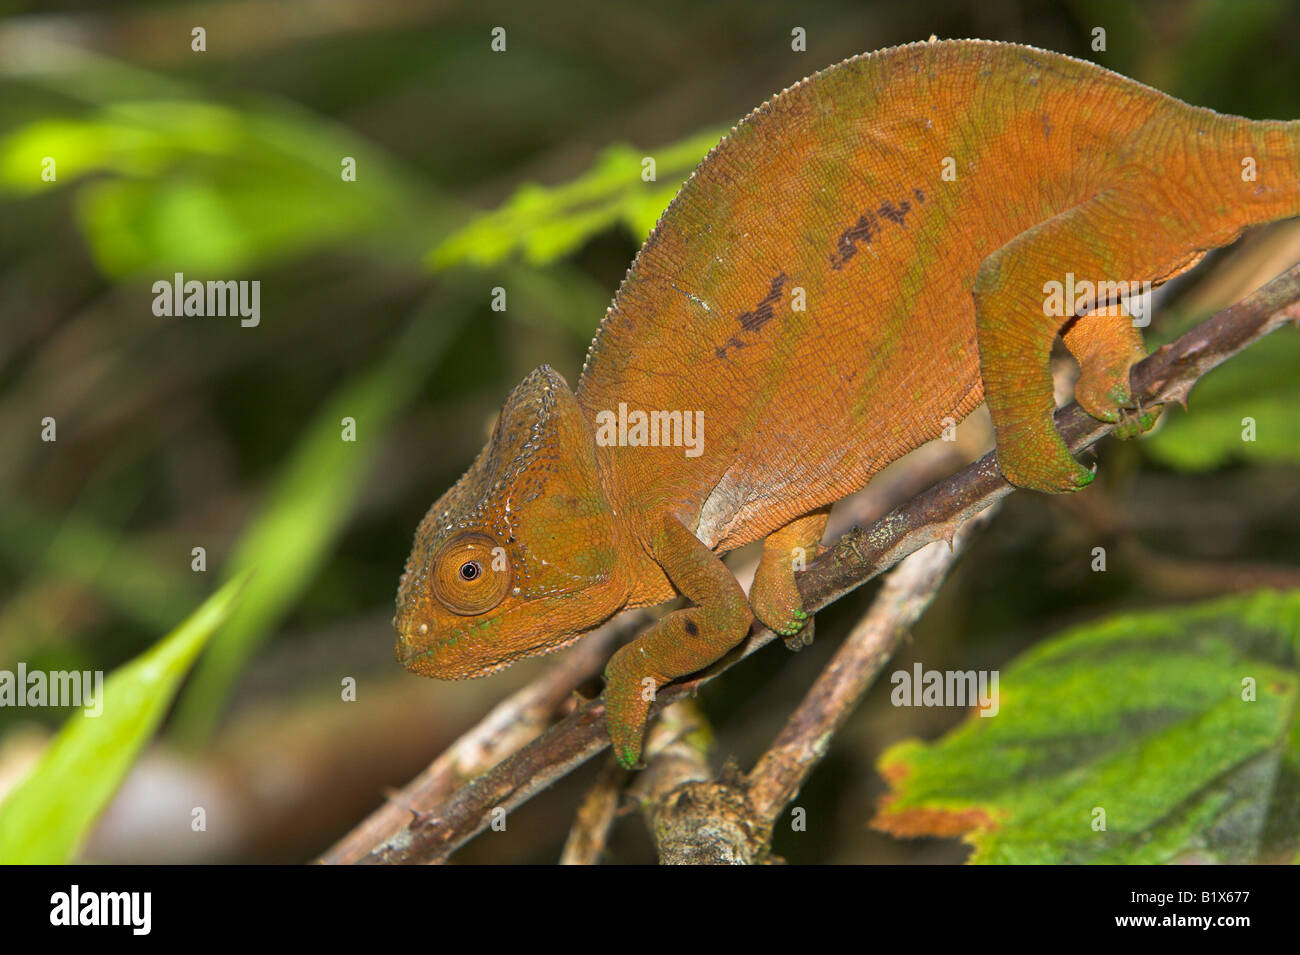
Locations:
column 923, row 296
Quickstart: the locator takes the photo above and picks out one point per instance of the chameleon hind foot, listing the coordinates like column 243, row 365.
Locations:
column 1137, row 421
column 1106, row 346
column 774, row 597
column 1103, row 240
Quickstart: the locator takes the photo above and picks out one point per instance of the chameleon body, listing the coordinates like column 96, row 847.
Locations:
column 916, row 202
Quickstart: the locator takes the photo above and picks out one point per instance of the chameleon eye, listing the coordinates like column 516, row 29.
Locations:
column 471, row 574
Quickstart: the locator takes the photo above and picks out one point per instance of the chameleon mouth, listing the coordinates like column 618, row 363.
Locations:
column 406, row 653
column 413, row 647
column 455, row 655
column 442, row 657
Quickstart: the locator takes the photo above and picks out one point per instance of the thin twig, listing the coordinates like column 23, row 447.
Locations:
column 1167, row 375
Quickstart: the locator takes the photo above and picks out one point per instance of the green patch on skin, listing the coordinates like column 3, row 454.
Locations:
column 1119, row 398
column 798, row 620
column 478, row 629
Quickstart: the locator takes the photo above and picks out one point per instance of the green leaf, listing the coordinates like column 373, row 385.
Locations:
column 543, row 224
column 45, row 819
column 1260, row 384
column 1142, row 717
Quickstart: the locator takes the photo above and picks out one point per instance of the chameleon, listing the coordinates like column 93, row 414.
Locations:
column 861, row 258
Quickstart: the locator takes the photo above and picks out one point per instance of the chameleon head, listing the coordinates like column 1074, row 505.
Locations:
column 519, row 557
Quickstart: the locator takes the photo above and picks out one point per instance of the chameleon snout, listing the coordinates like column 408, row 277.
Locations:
column 412, row 642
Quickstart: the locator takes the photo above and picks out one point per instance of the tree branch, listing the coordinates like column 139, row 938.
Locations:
column 1168, row 375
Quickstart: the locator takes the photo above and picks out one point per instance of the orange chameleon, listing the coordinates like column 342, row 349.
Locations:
column 864, row 256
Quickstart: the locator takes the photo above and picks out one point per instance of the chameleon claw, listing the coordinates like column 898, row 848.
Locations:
column 801, row 638
column 1135, row 421
column 629, row 758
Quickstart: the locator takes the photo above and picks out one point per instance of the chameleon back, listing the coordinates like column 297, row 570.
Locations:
column 809, row 289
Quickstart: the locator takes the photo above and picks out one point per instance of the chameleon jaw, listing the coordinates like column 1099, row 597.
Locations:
column 428, row 657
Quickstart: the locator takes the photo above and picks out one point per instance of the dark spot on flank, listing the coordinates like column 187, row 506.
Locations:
column 732, row 342
column 846, row 246
column 868, row 227
column 762, row 313
column 895, row 213
column 690, row 626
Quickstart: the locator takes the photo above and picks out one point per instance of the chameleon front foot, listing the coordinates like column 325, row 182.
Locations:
column 627, row 707
column 680, row 643
column 786, row 619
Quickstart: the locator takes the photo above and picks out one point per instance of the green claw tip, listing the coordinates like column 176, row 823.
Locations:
column 627, row 758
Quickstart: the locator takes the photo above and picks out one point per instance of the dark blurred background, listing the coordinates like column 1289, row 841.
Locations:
column 376, row 304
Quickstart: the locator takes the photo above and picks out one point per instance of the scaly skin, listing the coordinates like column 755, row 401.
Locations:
column 923, row 296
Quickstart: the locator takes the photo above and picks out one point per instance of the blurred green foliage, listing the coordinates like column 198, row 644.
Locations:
column 305, row 510
column 1257, row 392
column 190, row 185
column 545, row 224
